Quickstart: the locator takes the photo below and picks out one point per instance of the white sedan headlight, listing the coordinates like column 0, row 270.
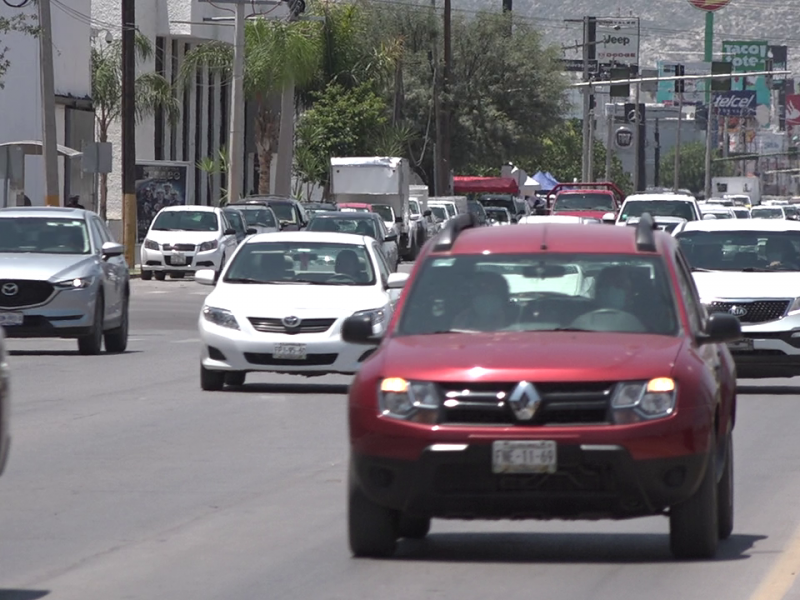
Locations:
column 151, row 245
column 77, row 283
column 206, row 246
column 221, row 317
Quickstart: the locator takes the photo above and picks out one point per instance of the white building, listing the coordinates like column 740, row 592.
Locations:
column 21, row 102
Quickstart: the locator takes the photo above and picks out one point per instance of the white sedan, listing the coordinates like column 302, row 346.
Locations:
column 281, row 301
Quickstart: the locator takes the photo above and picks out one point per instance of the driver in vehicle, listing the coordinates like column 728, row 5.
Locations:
column 781, row 254
column 614, row 295
column 347, row 264
column 489, row 296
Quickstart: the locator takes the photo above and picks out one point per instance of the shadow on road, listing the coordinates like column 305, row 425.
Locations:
column 63, row 353
column 558, row 548
column 22, row 594
column 768, row 390
column 290, row 388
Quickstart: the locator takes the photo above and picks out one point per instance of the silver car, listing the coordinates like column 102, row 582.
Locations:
column 62, row 275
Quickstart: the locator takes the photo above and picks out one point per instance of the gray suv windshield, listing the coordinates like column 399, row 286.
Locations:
column 44, row 235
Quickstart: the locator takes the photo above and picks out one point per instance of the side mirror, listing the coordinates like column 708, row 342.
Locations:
column 427, row 213
column 390, row 238
column 206, row 276
column 398, row 219
column 396, row 281
column 229, row 231
column 721, row 328
column 111, row 249
column 251, row 231
column 358, row 330
column 609, row 217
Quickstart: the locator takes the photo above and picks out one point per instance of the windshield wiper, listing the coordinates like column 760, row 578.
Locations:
column 756, row 270
column 243, row 280
column 265, row 281
column 456, row 331
column 701, row 270
column 568, row 329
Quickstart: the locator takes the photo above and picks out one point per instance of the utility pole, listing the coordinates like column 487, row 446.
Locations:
column 444, row 167
column 586, row 107
column 610, row 110
column 49, row 134
column 128, row 117
column 590, row 152
column 677, row 167
column 437, row 144
column 709, row 133
column 637, row 142
column 657, row 154
column 236, row 133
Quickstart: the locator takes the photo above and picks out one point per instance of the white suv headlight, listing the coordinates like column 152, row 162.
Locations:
column 221, row 317
column 636, row 401
column 415, row 401
column 795, row 307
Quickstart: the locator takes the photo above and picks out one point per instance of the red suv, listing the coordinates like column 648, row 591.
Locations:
column 544, row 371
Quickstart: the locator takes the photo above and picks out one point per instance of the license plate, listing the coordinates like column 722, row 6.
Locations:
column 178, row 259
column 743, row 345
column 524, row 457
column 289, row 351
column 11, row 318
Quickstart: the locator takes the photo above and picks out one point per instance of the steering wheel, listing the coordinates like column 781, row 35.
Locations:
column 343, row 277
column 613, row 312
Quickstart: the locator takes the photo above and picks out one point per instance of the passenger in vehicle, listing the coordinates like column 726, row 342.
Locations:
column 781, row 254
column 490, row 303
column 365, row 228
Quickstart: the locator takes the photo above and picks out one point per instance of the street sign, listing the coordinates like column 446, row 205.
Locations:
column 618, row 40
column 709, row 5
column 575, row 65
column 623, row 138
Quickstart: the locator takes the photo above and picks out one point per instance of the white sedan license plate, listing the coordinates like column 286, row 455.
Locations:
column 289, row 351
column 178, row 259
column 743, row 345
column 11, row 318
column 524, row 457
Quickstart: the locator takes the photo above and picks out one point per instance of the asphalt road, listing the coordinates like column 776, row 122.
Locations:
column 126, row 481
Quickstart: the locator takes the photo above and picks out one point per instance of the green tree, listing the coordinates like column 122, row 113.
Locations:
column 19, row 23
column 275, row 55
column 152, row 92
column 692, row 167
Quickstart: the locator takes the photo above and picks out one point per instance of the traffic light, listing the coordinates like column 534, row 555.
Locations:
column 680, row 84
column 622, row 90
column 721, row 84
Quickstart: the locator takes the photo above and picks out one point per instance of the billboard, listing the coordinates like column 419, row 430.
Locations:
column 617, row 40
column 749, row 56
column 158, row 184
column 792, row 110
column 694, row 91
column 735, row 104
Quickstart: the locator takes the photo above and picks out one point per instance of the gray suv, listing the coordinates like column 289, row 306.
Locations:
column 62, row 275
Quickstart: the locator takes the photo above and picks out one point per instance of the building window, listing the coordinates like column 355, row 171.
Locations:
column 159, row 125
column 173, row 127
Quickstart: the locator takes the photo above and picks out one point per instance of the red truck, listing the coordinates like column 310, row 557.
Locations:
column 592, row 199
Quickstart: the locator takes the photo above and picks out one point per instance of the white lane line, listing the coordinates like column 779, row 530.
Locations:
column 781, row 577
column 188, row 341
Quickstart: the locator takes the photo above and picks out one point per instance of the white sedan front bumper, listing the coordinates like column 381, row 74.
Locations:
column 182, row 261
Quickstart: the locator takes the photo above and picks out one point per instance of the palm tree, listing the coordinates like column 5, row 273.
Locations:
column 152, row 92
column 277, row 54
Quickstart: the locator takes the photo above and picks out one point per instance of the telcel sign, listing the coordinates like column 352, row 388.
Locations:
column 710, row 5
column 736, row 104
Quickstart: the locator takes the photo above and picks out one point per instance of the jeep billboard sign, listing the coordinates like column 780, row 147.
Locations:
column 618, row 40
column 736, row 104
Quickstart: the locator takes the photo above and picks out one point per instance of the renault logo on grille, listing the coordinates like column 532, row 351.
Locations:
column 738, row 311
column 291, row 322
column 524, row 401
column 10, row 289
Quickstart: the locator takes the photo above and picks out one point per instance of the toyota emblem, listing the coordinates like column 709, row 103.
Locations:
column 524, row 401
column 10, row 289
column 738, row 311
column 291, row 322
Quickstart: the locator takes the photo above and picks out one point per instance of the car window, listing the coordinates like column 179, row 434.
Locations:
column 285, row 212
column 659, row 208
column 313, row 263
column 741, row 250
column 498, row 214
column 547, row 292
column 583, row 201
column 767, row 212
column 259, row 216
column 235, row 221
column 41, row 235
column 385, row 211
column 382, row 266
column 440, row 212
column 413, row 207
column 97, row 233
column 689, row 295
column 185, row 220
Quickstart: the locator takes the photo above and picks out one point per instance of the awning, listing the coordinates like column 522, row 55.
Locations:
column 484, row 185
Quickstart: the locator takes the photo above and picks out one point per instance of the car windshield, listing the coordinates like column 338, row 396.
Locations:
column 344, row 225
column 296, row 262
column 504, row 200
column 659, row 208
column 451, row 209
column 413, row 205
column 258, row 216
column 39, row 235
column 385, row 211
column 718, row 214
column 353, row 209
column 546, row 292
column 440, row 212
column 767, row 213
column 742, row 250
column 235, row 218
column 583, row 201
column 498, row 214
column 185, row 220
column 741, row 213
column 284, row 211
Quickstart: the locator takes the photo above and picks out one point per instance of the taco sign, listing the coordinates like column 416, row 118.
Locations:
column 709, row 5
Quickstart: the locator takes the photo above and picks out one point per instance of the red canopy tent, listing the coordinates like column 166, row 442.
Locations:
column 485, row 185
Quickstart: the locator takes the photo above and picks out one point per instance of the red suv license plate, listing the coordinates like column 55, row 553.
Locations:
column 509, row 457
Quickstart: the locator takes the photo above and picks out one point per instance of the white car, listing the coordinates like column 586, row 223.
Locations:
column 767, row 212
column 498, row 215
column 667, row 224
column 259, row 218
column 750, row 268
column 281, row 301
column 184, row 239
column 532, row 219
column 716, row 211
column 659, row 205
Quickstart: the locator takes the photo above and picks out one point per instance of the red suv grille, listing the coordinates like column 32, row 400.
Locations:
column 562, row 403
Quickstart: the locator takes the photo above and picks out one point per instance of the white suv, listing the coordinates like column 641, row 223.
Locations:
column 662, row 204
column 183, row 239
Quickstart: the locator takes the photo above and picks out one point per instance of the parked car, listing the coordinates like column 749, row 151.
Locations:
column 258, row 217
column 62, row 275
column 237, row 221
column 359, row 223
column 545, row 371
column 5, row 405
column 256, row 320
column 185, row 238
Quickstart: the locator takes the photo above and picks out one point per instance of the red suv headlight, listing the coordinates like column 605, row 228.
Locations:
column 636, row 401
column 415, row 401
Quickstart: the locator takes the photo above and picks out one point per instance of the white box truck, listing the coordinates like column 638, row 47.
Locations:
column 732, row 186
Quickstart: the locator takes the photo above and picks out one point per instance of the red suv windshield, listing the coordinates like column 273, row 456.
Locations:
column 584, row 201
column 556, row 292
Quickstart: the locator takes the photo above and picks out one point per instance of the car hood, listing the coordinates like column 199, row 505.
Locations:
column 182, row 237
column 539, row 356
column 46, row 267
column 304, row 301
column 740, row 285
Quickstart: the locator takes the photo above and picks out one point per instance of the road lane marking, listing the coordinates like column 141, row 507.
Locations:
column 781, row 577
column 189, row 341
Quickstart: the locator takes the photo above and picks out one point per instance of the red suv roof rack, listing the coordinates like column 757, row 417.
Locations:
column 448, row 235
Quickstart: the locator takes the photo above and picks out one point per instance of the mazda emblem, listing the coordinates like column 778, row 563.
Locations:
column 291, row 322
column 738, row 311
column 10, row 289
column 524, row 401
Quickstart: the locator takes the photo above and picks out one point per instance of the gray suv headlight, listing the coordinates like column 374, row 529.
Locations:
column 77, row 283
